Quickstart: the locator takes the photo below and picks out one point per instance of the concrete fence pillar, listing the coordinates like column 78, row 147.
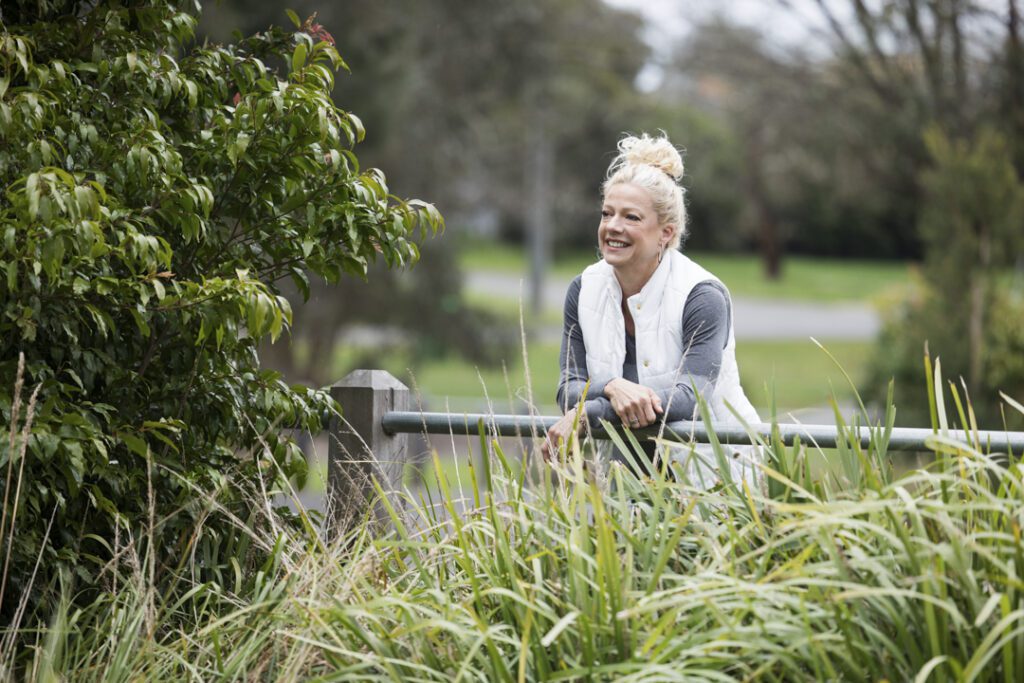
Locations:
column 360, row 451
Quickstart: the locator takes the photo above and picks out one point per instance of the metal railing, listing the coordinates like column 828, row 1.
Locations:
column 825, row 436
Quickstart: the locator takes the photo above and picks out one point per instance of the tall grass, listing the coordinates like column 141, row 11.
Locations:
column 577, row 572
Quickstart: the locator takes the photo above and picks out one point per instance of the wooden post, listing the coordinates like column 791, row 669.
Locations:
column 360, row 450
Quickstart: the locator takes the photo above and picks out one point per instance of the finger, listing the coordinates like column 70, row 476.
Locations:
column 550, row 446
column 648, row 415
column 550, row 451
column 656, row 401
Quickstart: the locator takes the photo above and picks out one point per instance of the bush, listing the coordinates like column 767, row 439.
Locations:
column 971, row 230
column 1005, row 344
column 155, row 193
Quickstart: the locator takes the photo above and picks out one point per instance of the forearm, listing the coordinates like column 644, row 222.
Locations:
column 680, row 401
column 572, row 390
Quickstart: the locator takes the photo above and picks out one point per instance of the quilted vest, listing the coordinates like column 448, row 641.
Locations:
column 658, row 317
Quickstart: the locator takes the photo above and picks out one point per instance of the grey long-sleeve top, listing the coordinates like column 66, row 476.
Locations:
column 706, row 320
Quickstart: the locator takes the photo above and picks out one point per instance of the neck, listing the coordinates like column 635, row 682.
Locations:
column 631, row 281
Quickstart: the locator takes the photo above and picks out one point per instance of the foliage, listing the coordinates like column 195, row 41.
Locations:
column 471, row 83
column 155, row 194
column 852, row 575
column 971, row 230
column 970, row 224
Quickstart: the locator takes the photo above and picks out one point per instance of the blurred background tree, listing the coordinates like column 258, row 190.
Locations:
column 948, row 74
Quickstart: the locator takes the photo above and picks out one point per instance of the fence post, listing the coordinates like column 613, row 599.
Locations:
column 359, row 448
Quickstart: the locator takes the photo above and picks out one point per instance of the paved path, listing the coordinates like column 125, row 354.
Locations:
column 755, row 318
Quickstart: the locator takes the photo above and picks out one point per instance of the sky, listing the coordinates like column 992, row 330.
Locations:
column 670, row 20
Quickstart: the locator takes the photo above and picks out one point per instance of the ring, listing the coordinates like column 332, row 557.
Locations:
column 634, row 421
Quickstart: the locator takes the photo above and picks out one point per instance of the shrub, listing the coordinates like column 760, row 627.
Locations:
column 970, row 227
column 155, row 193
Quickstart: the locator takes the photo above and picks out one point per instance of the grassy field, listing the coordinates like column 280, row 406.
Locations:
column 803, row 278
column 799, row 373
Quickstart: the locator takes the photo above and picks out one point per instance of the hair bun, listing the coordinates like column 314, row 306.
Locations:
column 658, row 152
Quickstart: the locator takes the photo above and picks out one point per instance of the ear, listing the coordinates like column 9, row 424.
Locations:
column 668, row 231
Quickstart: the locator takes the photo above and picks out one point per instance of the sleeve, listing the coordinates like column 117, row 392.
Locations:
column 707, row 318
column 572, row 361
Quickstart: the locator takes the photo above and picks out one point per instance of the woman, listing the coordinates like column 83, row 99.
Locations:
column 647, row 327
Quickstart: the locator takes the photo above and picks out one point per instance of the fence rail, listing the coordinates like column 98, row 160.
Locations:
column 825, row 436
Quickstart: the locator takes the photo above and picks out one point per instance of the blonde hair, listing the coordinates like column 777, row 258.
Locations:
column 654, row 164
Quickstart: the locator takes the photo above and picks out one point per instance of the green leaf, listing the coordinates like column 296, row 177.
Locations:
column 238, row 147
column 294, row 18
column 357, row 123
column 293, row 202
column 158, row 287
column 86, row 200
column 33, row 194
column 301, row 282
column 299, row 57
column 135, row 444
column 165, row 439
column 193, row 93
column 141, row 323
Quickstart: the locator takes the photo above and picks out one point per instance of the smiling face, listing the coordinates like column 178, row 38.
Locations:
column 630, row 235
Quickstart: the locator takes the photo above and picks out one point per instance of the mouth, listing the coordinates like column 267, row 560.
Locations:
column 616, row 244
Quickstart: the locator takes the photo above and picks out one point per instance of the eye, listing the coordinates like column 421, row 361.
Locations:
column 633, row 217
column 605, row 213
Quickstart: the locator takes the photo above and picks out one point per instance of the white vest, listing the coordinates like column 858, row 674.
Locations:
column 658, row 317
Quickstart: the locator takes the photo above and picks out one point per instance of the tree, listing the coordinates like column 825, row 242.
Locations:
column 971, row 228
column 156, row 193
column 970, row 225
column 923, row 64
column 957, row 93
column 519, row 124
column 817, row 166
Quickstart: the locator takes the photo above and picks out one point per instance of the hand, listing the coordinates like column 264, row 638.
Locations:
column 636, row 405
column 560, row 431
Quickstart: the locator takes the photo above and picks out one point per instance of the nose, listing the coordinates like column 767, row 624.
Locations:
column 614, row 224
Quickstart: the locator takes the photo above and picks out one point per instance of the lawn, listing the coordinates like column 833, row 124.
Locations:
column 801, row 375
column 803, row 278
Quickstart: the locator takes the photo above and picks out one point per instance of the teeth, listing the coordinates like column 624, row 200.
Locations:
column 616, row 243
